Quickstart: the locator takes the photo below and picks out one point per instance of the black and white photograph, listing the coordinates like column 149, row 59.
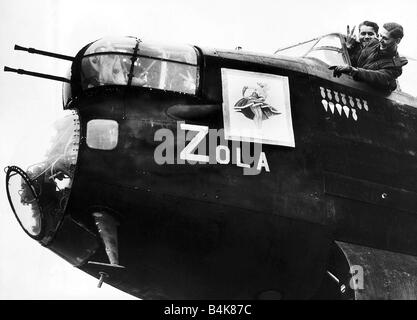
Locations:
column 323, row 92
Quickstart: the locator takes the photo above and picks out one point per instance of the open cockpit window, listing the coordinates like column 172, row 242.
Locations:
column 328, row 49
column 132, row 62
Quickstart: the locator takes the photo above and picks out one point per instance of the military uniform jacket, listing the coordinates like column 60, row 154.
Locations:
column 379, row 69
column 354, row 53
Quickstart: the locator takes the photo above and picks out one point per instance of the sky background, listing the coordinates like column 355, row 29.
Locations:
column 27, row 104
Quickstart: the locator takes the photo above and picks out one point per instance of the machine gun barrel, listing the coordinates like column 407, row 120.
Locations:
column 44, row 53
column 37, row 74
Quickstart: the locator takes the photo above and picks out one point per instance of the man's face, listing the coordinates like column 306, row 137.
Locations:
column 366, row 33
column 386, row 41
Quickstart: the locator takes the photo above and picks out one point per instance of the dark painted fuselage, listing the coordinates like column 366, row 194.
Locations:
column 207, row 231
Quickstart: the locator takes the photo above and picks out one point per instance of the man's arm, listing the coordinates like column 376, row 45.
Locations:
column 382, row 78
column 354, row 52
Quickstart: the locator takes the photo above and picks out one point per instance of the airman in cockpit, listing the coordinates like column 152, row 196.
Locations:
column 368, row 30
column 379, row 63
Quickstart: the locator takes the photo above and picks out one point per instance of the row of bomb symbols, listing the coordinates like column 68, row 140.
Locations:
column 333, row 100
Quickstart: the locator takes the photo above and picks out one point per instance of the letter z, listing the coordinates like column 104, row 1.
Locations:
column 187, row 152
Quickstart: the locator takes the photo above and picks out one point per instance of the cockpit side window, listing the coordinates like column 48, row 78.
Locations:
column 136, row 63
column 328, row 49
column 330, row 57
column 407, row 81
column 297, row 50
column 332, row 41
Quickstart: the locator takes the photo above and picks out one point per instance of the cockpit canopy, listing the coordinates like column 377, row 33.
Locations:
column 130, row 61
column 331, row 50
column 327, row 49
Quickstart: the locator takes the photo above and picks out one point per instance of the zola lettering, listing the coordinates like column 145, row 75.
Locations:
column 196, row 150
